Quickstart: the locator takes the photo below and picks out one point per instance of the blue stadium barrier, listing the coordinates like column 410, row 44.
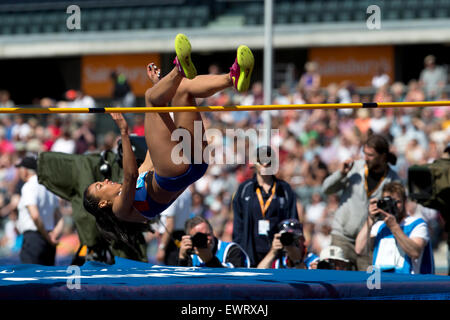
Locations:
column 131, row 280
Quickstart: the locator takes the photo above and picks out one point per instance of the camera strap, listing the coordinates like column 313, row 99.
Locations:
column 366, row 185
column 175, row 241
column 265, row 206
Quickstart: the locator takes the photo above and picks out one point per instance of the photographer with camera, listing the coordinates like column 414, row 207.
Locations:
column 332, row 258
column 288, row 249
column 200, row 248
column 399, row 241
column 358, row 181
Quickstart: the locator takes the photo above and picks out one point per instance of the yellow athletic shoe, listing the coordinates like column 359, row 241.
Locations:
column 241, row 70
column 183, row 58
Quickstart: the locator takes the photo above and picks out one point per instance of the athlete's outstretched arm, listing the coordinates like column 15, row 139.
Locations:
column 123, row 205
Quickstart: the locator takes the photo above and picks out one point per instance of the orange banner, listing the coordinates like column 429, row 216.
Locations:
column 96, row 72
column 357, row 64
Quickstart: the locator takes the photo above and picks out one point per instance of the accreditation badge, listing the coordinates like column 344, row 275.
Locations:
column 263, row 227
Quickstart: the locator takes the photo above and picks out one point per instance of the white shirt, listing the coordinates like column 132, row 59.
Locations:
column 379, row 81
column 390, row 254
column 180, row 210
column 315, row 211
column 34, row 193
column 64, row 146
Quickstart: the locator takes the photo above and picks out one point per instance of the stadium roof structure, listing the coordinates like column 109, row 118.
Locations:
column 220, row 38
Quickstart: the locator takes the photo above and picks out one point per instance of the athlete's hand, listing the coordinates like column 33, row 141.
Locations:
column 153, row 73
column 120, row 121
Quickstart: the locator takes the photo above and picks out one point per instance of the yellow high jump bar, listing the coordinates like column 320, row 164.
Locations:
column 26, row 110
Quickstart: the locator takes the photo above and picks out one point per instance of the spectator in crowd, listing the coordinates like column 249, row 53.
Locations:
column 362, row 121
column 415, row 93
column 400, row 242
column 198, row 206
column 414, row 153
column 65, row 143
column 10, row 241
column 359, row 181
column 332, row 257
column 38, row 217
column 122, row 94
column 288, row 249
column 379, row 123
column 433, row 78
column 310, row 80
column 321, row 237
column 6, row 146
column 84, row 136
column 138, row 126
column 283, row 95
column 171, row 228
column 256, row 97
column 5, row 99
column 315, row 214
column 383, row 94
column 20, row 129
column 78, row 99
column 380, row 79
column 199, row 248
column 398, row 92
column 259, row 205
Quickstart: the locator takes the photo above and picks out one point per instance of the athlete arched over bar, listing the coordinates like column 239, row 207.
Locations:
column 148, row 190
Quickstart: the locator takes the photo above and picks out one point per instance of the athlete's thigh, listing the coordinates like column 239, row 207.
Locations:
column 158, row 135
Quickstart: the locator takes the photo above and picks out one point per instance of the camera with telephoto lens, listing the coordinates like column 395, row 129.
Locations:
column 388, row 205
column 200, row 240
column 287, row 238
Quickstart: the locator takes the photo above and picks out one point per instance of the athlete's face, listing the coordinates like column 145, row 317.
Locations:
column 105, row 190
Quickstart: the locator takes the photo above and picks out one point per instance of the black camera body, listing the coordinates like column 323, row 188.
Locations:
column 388, row 205
column 200, row 240
column 287, row 238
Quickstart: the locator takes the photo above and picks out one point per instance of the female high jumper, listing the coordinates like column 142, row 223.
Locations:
column 150, row 189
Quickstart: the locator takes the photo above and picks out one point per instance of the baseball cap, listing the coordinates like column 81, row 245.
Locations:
column 291, row 225
column 28, row 162
column 333, row 252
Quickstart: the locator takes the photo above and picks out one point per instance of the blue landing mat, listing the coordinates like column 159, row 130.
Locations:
column 141, row 281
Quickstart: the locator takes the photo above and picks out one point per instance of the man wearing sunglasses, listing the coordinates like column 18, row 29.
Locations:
column 400, row 242
column 259, row 205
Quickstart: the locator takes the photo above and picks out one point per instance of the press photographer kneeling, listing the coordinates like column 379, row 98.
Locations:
column 200, row 248
column 288, row 249
column 400, row 242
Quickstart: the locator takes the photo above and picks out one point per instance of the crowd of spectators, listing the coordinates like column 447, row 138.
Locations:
column 311, row 145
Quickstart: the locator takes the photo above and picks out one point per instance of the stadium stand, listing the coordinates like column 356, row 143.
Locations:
column 31, row 17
